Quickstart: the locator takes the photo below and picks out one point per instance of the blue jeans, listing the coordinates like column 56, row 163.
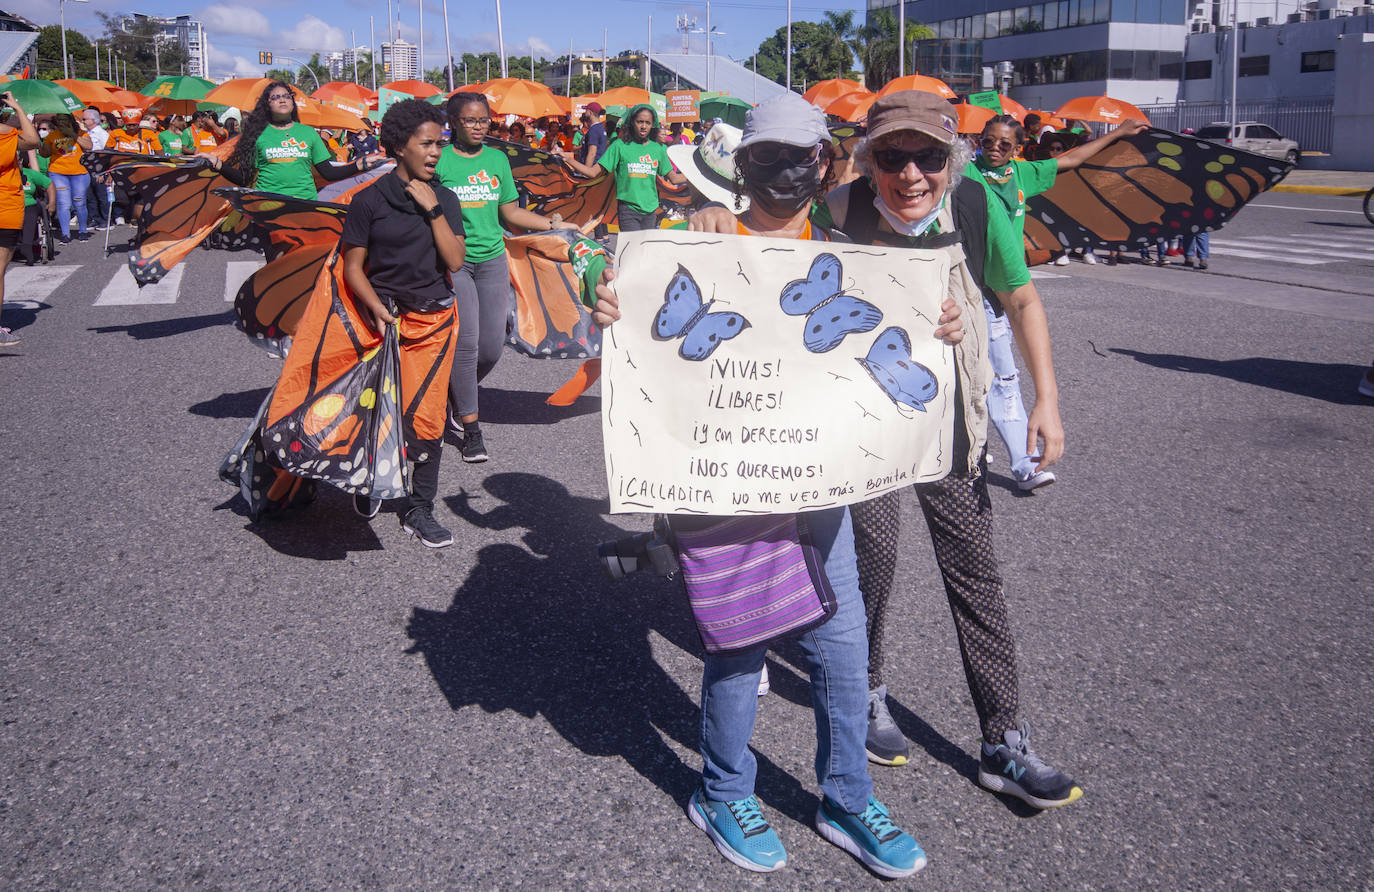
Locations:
column 1005, row 408
column 1198, row 244
column 71, row 193
column 837, row 661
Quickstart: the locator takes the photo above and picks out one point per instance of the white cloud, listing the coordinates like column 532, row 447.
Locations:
column 312, row 35
column 224, row 19
column 223, row 64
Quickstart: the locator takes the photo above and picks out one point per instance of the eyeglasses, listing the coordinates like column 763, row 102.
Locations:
column 475, row 122
column 766, row 154
column 931, row 159
column 1003, row 144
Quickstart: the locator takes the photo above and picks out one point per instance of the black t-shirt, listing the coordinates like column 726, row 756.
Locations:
column 402, row 263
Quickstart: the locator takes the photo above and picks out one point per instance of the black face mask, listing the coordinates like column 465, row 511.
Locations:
column 782, row 189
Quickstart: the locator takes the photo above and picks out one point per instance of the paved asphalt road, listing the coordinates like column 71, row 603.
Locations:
column 192, row 700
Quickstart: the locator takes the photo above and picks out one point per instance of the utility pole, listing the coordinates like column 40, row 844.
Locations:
column 570, row 55
column 603, row 60
column 420, row 50
column 789, row 44
column 157, row 57
column 901, row 38
column 97, row 60
column 448, row 50
column 353, row 40
column 500, row 39
column 372, row 49
column 1235, row 68
column 649, row 57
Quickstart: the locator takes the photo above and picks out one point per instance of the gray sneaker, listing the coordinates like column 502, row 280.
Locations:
column 885, row 743
column 8, row 338
column 420, row 523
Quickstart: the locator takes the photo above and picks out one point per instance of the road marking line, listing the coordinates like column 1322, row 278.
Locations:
column 1289, row 207
column 236, row 272
column 123, row 291
column 35, row 283
column 1042, row 274
column 1262, row 242
column 1255, row 255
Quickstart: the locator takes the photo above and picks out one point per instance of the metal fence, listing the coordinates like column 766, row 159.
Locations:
column 1307, row 120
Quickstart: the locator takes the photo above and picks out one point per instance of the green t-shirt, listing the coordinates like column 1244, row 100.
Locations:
column 34, row 181
column 285, row 158
column 172, row 142
column 482, row 182
column 1012, row 183
column 636, row 166
column 43, row 163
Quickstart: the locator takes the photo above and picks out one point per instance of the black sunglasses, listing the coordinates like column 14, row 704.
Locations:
column 766, row 154
column 931, row 159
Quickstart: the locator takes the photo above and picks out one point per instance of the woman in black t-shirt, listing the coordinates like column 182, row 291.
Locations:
column 402, row 240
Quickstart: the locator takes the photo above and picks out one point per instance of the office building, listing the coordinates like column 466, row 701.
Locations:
column 189, row 34
column 400, row 60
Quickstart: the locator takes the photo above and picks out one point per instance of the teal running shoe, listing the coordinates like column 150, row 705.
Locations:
column 872, row 838
column 739, row 830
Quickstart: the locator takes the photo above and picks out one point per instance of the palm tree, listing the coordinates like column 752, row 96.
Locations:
column 876, row 44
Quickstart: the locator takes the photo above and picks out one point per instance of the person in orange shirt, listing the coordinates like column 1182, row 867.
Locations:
column 205, row 132
column 65, row 145
column 134, row 137
column 17, row 136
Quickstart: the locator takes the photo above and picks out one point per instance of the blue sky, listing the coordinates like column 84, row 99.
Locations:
column 237, row 31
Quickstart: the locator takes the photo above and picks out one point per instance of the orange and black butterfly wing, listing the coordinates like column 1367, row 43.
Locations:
column 335, row 414
column 1151, row 186
column 271, row 301
column 287, row 223
column 590, row 199
column 537, row 172
column 548, row 320
column 672, row 196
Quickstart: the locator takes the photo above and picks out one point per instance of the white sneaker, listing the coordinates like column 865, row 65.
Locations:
column 1062, row 260
column 1034, row 480
column 1089, row 258
column 763, row 680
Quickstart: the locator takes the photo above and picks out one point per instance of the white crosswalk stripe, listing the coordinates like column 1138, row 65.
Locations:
column 1046, row 274
column 1347, row 246
column 32, row 285
column 123, row 291
column 235, row 272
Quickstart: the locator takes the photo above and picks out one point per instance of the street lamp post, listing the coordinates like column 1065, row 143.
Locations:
column 62, row 24
column 303, row 66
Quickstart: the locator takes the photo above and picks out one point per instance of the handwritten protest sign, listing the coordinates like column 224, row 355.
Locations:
column 766, row 376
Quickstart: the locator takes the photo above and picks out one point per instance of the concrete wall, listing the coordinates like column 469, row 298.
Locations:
column 1353, row 115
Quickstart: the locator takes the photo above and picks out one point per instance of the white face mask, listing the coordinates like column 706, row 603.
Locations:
column 43, row 133
column 911, row 230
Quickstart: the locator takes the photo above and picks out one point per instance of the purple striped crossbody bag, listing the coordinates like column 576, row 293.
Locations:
column 751, row 580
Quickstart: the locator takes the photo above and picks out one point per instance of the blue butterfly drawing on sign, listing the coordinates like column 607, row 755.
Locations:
column 831, row 314
column 685, row 315
column 905, row 381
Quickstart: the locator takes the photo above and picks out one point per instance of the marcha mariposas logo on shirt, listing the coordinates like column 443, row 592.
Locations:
column 480, row 187
column 291, row 149
column 1002, row 177
column 643, row 166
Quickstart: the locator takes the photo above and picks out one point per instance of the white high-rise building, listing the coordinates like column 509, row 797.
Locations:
column 357, row 55
column 190, row 34
column 400, row 60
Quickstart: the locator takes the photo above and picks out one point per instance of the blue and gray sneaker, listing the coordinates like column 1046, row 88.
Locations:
column 1012, row 767
column 739, row 830
column 872, row 838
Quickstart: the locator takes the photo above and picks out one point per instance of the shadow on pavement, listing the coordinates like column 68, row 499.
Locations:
column 21, row 314
column 535, row 630
column 528, row 407
column 1333, row 382
column 328, row 529
column 240, row 404
column 165, row 328
column 1364, row 226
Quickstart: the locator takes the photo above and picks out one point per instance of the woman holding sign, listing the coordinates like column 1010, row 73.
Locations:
column 783, row 164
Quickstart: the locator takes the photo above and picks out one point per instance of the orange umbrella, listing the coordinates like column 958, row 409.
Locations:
column 973, row 117
column 243, row 92
column 89, row 92
column 161, row 105
column 1015, row 109
column 517, row 96
column 626, row 96
column 354, row 94
column 918, row 82
column 1100, row 108
column 852, row 106
column 1050, row 118
column 418, row 89
column 822, row 93
column 317, row 114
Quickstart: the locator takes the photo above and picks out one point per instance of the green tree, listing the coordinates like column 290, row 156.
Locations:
column 818, row 52
column 80, row 54
column 320, row 70
column 141, row 45
column 285, row 75
column 878, row 46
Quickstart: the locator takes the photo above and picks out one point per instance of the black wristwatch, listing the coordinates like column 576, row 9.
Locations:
column 434, row 213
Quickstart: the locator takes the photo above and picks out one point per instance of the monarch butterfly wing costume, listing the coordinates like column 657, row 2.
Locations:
column 588, row 200
column 553, row 275
column 300, row 235
column 538, row 172
column 1151, row 186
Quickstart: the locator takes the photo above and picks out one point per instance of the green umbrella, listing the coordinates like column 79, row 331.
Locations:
column 177, row 87
column 43, row 97
column 438, row 99
column 727, row 108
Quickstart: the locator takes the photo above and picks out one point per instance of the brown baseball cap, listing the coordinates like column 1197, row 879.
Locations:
column 913, row 110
